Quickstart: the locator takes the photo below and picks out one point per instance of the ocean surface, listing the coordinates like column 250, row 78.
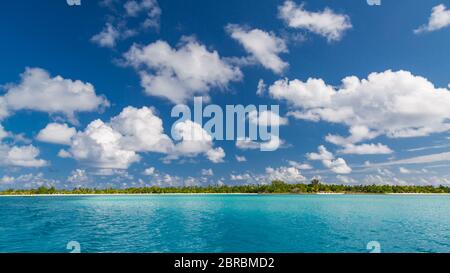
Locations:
column 226, row 223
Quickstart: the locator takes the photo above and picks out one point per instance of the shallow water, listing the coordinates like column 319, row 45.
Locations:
column 226, row 223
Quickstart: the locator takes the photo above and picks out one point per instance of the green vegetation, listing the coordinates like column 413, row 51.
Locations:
column 277, row 187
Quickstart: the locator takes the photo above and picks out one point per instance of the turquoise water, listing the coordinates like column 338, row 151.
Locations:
column 244, row 223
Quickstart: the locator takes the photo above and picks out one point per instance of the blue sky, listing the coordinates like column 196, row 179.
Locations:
column 86, row 91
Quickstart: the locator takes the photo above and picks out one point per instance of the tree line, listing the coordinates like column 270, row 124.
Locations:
column 276, row 187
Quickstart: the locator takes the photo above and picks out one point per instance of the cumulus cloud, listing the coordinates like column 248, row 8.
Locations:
column 326, row 23
column 30, row 181
column 39, row 92
column 141, row 130
column 99, row 145
column 117, row 143
column 150, row 8
column 3, row 133
column 21, row 156
column 396, row 104
column 288, row 174
column 178, row 74
column 439, row 18
column 263, row 46
column 107, row 37
column 193, row 140
column 329, row 161
column 64, row 154
column 240, row 158
column 216, row 155
column 240, row 177
column 300, row 166
column 56, row 133
column 261, row 88
column 78, row 176
column 207, row 172
column 3, row 108
column 149, row 171
column 285, row 174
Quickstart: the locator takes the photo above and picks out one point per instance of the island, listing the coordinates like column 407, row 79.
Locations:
column 276, row 187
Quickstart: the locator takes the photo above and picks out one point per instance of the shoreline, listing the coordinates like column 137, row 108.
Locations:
column 200, row 194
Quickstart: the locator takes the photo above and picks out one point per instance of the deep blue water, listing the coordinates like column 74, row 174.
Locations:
column 244, row 223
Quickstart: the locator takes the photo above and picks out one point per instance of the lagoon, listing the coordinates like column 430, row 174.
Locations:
column 226, row 223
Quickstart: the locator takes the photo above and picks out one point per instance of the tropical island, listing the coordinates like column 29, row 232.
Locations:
column 276, row 187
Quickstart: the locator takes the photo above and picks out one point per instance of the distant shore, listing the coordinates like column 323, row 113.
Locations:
column 121, row 194
column 276, row 187
column 192, row 194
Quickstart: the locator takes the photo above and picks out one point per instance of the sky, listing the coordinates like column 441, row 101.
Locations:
column 86, row 91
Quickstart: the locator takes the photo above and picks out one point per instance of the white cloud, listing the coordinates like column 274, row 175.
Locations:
column 21, row 156
column 99, row 145
column 56, row 133
column 326, row 23
column 31, row 181
column 261, row 88
column 310, row 94
column 149, row 171
column 329, row 161
column 425, row 159
column 119, row 174
column 107, row 37
column 346, row 180
column 39, row 92
column 216, row 155
column 439, row 18
column 358, row 133
column 300, row 166
column 207, row 172
column 141, row 130
column 285, row 174
column 428, row 148
column 240, row 177
column 396, row 104
column 7, row 179
column 3, row 133
column 366, row 149
column 3, row 108
column 117, row 144
column 194, row 140
column 120, row 27
column 383, row 180
column 178, row 74
column 78, row 176
column 240, row 158
column 149, row 7
column 263, row 46
column 289, row 174
column 404, row 170
column 64, row 154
